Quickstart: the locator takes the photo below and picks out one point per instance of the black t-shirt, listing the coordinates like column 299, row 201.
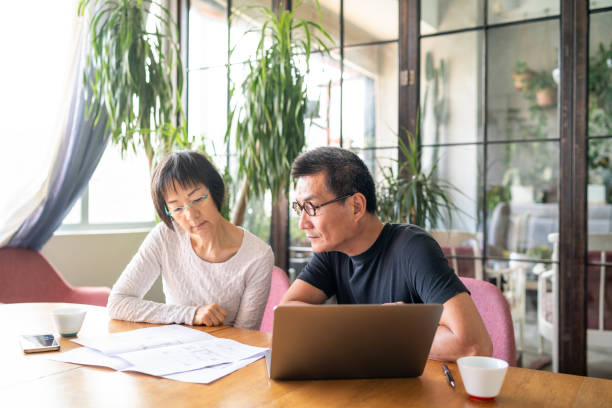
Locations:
column 404, row 264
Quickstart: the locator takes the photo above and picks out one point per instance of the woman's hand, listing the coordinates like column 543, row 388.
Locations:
column 209, row 315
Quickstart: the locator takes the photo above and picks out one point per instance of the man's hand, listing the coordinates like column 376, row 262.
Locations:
column 209, row 315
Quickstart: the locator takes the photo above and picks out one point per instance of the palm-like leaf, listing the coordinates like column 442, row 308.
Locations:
column 131, row 74
column 269, row 123
column 414, row 195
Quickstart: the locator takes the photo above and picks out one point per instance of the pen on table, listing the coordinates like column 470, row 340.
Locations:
column 448, row 375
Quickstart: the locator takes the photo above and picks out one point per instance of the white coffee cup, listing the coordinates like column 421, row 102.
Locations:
column 482, row 376
column 68, row 320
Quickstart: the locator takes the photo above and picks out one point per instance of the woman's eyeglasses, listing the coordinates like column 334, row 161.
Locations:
column 178, row 211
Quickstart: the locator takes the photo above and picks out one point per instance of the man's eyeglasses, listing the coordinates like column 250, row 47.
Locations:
column 177, row 211
column 311, row 209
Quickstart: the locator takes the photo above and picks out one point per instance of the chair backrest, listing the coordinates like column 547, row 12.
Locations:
column 458, row 247
column 599, row 282
column 495, row 312
column 280, row 284
column 27, row 276
column 599, row 279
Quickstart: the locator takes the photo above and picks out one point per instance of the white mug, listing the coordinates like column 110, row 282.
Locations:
column 482, row 376
column 68, row 320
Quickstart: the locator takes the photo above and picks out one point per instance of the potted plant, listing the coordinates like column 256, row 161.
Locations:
column 413, row 194
column 521, row 74
column 269, row 121
column 544, row 88
column 136, row 74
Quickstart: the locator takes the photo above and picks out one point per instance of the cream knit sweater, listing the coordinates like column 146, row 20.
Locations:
column 240, row 285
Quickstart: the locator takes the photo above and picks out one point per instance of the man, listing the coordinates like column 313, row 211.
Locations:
column 361, row 260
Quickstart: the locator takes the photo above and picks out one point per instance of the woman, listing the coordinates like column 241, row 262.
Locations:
column 213, row 272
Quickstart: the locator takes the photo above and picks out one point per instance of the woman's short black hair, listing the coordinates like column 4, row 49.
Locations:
column 344, row 171
column 187, row 169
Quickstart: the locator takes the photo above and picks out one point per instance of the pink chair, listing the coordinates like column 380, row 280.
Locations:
column 27, row 276
column 280, row 284
column 495, row 312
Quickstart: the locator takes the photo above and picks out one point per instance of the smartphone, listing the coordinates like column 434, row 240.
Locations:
column 38, row 342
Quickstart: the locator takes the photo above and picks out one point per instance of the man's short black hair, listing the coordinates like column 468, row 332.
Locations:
column 187, row 169
column 344, row 171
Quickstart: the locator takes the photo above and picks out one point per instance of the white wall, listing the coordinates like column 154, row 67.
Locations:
column 96, row 258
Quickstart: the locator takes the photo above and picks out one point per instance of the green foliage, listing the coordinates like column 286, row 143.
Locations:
column 131, row 75
column 536, row 127
column 541, row 80
column 497, row 195
column 521, row 68
column 540, row 252
column 414, row 195
column 269, row 123
column 256, row 221
column 298, row 236
column 229, row 192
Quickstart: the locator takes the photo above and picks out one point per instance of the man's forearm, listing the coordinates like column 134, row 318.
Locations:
column 294, row 302
column 448, row 346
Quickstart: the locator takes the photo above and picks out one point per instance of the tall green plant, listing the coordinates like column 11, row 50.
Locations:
column 413, row 194
column 270, row 119
column 132, row 72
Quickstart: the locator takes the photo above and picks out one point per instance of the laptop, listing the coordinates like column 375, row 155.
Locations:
column 351, row 341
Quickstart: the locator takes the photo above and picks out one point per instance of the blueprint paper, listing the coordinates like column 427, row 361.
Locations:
column 87, row 356
column 187, row 357
column 142, row 339
column 174, row 352
column 210, row 374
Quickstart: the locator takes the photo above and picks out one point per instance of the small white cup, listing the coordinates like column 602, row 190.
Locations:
column 68, row 320
column 482, row 376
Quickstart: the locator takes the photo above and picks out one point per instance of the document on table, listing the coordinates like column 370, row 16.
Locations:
column 174, row 352
column 143, row 339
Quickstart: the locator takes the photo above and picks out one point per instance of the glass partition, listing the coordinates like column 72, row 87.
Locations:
column 599, row 4
column 459, row 166
column 599, row 193
column 370, row 96
column 330, row 17
column 368, row 21
column 245, row 18
column 207, row 33
column 490, row 123
column 451, row 84
column 441, row 15
column 522, row 81
column 504, row 11
column 208, row 107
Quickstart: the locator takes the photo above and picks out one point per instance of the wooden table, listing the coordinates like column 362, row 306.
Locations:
column 34, row 381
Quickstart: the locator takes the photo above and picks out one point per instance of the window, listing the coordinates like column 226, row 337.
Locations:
column 118, row 195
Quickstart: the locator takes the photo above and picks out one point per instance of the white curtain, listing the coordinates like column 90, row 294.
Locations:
column 40, row 48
